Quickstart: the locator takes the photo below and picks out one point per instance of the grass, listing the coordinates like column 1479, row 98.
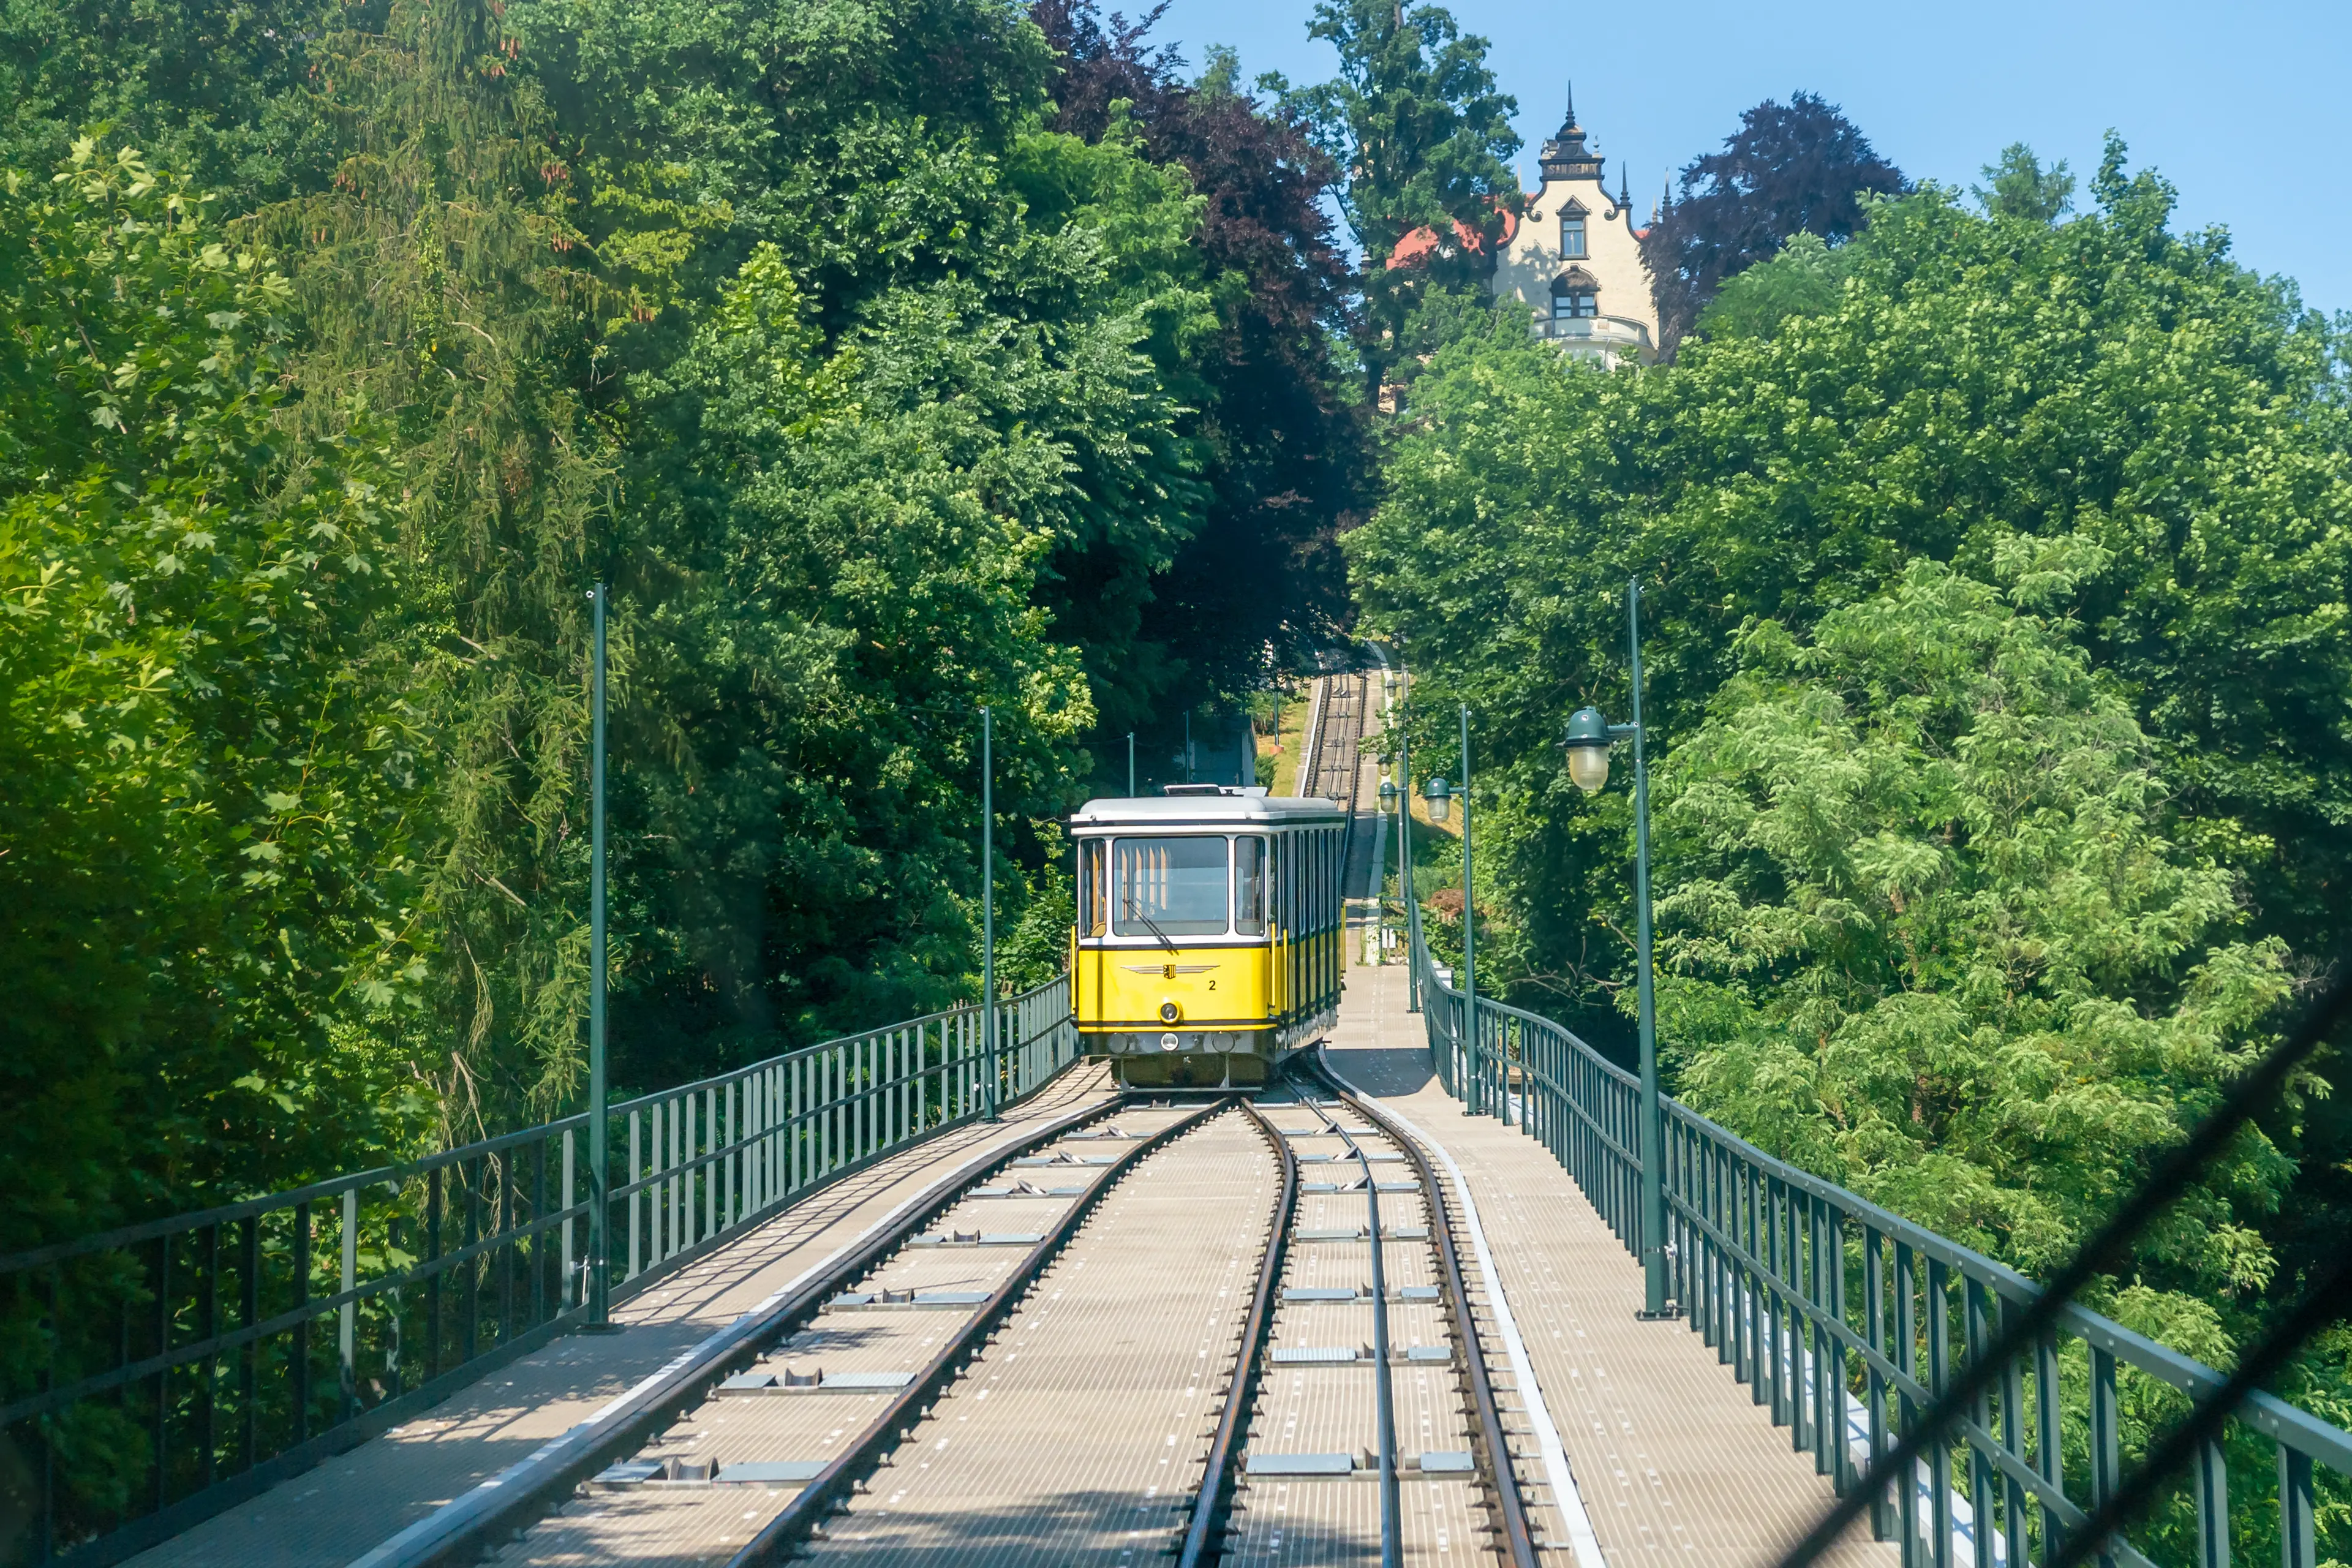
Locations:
column 1289, row 741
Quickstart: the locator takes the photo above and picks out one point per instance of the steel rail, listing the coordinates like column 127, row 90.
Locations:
column 1384, row 1385
column 1310, row 750
column 1518, row 1536
column 466, row 1529
column 1212, row 1505
column 801, row 1517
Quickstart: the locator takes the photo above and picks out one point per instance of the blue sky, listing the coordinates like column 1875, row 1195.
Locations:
column 2246, row 107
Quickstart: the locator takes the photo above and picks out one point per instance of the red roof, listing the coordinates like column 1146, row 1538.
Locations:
column 1423, row 240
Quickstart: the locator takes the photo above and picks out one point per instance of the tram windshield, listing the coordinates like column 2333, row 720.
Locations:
column 1180, row 886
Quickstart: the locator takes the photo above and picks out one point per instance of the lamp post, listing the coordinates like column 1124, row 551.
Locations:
column 599, row 1300
column 1390, row 795
column 1438, row 793
column 988, row 911
column 1130, row 764
column 1591, row 738
column 1404, row 859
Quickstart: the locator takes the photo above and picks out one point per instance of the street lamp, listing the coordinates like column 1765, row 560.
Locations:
column 988, row 911
column 1591, row 739
column 1404, row 859
column 1589, row 744
column 599, row 1298
column 1388, row 796
column 1440, row 796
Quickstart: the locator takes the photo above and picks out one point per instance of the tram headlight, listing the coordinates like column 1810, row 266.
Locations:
column 1170, row 1012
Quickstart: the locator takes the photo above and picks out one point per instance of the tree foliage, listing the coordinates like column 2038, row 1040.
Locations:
column 2023, row 188
column 2163, row 429
column 1285, row 449
column 210, row 772
column 1424, row 140
column 881, row 387
column 1999, row 677
column 1924, row 937
column 1800, row 167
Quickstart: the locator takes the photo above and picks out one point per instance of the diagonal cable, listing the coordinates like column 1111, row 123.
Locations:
column 2248, row 1095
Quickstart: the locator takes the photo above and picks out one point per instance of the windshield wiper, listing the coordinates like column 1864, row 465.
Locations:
column 1133, row 909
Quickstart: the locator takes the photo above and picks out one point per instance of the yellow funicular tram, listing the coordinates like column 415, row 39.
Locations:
column 1210, row 940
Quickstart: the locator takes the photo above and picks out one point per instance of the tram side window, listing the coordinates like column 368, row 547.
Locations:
column 1091, row 901
column 1336, row 847
column 1316, row 882
column 1249, row 887
column 1293, row 906
column 1306, row 882
column 1323, row 882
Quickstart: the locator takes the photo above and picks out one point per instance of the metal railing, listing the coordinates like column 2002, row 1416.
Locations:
column 157, row 1374
column 1788, row 1276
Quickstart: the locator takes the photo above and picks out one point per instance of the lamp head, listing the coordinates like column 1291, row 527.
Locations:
column 1439, row 795
column 1388, row 796
column 1588, row 749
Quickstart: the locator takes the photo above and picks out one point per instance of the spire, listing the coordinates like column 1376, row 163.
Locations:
column 1564, row 156
column 1624, row 186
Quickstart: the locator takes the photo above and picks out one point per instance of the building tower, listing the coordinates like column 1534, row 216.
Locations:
column 1575, row 260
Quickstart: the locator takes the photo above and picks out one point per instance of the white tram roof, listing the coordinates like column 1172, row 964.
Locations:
column 1229, row 809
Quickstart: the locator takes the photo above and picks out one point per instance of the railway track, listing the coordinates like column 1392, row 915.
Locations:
column 1335, row 732
column 1203, row 1329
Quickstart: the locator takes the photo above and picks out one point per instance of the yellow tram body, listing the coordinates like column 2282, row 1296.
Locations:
column 1211, row 932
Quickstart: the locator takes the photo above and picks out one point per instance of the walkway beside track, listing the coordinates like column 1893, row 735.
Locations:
column 327, row 1516
column 1674, row 1462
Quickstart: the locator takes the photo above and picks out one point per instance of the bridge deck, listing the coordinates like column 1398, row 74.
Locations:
column 1673, row 1462
column 326, row 1517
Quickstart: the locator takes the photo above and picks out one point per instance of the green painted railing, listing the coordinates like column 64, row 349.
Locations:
column 1785, row 1274
column 157, row 1374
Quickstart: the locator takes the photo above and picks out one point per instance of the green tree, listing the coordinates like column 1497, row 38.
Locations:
column 2142, row 443
column 1969, row 383
column 1425, row 140
column 1801, row 168
column 443, row 280
column 209, row 766
column 2022, row 189
column 1923, row 934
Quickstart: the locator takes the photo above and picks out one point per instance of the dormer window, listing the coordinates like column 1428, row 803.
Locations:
column 1572, row 232
column 1575, row 293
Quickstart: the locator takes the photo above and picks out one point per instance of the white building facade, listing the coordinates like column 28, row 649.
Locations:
column 1574, row 259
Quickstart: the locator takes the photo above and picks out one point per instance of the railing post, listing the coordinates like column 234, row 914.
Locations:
column 2015, row 1539
column 1979, row 1329
column 1874, row 1284
column 1907, row 1356
column 2049, row 1438
column 2106, row 1437
column 300, row 1358
column 2298, row 1515
column 347, row 1328
column 572, row 1293
column 250, row 1268
column 2212, row 1480
column 636, row 1170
